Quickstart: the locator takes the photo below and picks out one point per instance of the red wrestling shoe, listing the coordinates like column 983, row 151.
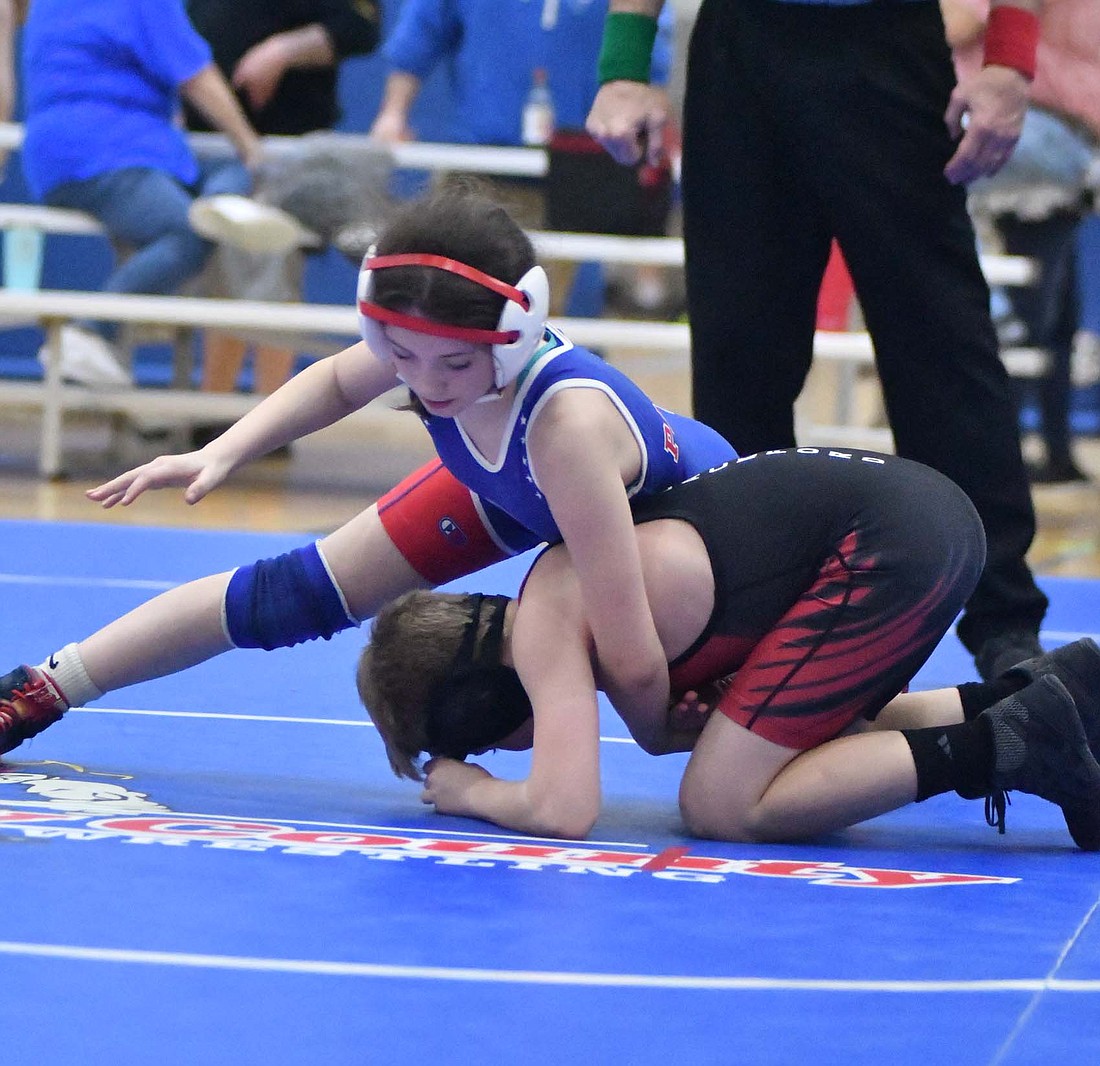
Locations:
column 29, row 702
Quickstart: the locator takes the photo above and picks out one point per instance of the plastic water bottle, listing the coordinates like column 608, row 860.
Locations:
column 22, row 258
column 538, row 111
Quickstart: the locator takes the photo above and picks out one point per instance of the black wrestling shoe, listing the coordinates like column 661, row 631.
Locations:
column 1077, row 666
column 29, row 702
column 1002, row 652
column 1040, row 747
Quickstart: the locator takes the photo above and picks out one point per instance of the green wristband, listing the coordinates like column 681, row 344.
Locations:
column 627, row 47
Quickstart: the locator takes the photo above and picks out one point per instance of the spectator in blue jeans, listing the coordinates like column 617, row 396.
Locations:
column 103, row 82
column 1037, row 203
column 1038, row 200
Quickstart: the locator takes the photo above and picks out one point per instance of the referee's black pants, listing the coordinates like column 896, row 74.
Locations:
column 804, row 122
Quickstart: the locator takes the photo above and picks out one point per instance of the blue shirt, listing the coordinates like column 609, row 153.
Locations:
column 673, row 446
column 495, row 45
column 101, row 88
column 841, row 3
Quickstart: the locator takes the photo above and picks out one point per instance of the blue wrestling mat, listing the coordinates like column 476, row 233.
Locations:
column 219, row 867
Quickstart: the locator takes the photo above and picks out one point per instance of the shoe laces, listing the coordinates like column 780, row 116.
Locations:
column 995, row 804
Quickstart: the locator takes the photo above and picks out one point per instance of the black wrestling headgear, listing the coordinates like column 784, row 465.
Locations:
column 481, row 701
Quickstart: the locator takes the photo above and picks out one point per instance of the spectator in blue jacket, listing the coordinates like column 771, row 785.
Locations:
column 494, row 48
column 103, row 82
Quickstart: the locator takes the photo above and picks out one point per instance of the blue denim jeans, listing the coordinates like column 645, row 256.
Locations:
column 1051, row 311
column 146, row 209
column 1037, row 204
column 1049, row 154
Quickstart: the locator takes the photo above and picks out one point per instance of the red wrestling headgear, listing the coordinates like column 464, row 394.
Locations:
column 515, row 338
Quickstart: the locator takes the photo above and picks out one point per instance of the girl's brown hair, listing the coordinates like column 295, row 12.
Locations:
column 460, row 222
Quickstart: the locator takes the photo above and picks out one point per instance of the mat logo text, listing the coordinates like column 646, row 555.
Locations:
column 257, row 836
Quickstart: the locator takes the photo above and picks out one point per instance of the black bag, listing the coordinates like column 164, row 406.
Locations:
column 588, row 192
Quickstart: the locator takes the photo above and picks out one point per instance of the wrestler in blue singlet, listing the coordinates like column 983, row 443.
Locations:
column 673, row 447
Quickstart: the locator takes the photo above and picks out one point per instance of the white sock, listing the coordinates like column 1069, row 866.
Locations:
column 66, row 669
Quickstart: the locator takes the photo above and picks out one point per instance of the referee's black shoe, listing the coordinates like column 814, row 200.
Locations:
column 1002, row 652
column 1077, row 666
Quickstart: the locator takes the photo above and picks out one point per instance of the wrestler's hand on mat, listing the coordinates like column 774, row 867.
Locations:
column 987, row 111
column 197, row 472
column 447, row 782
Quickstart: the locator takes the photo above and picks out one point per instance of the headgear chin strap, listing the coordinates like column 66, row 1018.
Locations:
column 481, row 701
column 517, row 335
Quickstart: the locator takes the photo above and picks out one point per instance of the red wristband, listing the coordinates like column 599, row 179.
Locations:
column 1011, row 40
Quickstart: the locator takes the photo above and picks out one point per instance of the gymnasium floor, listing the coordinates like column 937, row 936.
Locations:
column 219, row 867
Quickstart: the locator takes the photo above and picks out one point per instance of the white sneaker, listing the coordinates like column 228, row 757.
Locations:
column 87, row 359
column 248, row 224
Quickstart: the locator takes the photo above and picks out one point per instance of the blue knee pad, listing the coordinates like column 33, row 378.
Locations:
column 280, row 602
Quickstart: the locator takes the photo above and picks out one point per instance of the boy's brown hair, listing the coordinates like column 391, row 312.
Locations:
column 411, row 652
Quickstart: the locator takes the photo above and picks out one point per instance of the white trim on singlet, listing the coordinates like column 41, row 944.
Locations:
column 487, row 525
column 494, row 466
column 628, row 418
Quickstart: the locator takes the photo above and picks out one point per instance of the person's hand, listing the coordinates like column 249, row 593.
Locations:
column 391, row 128
column 987, row 112
column 196, row 472
column 260, row 70
column 254, row 156
column 629, row 119
column 691, row 711
column 447, row 783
